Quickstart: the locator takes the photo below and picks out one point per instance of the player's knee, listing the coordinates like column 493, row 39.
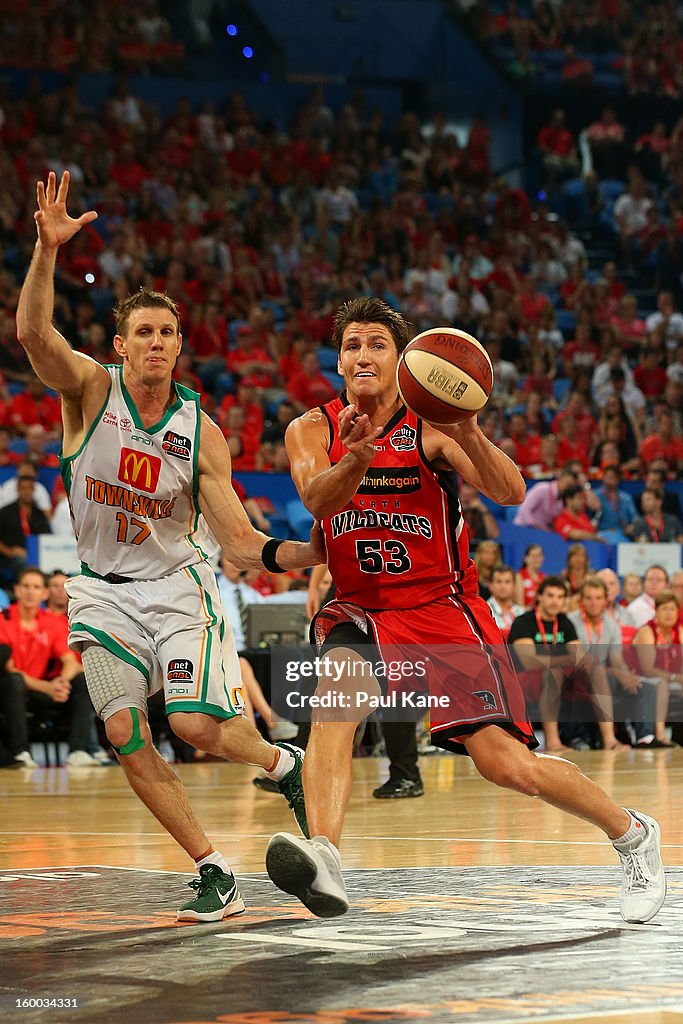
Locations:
column 518, row 774
column 127, row 731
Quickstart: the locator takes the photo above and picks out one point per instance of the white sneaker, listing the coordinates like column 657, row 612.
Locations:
column 643, row 887
column 82, row 759
column 283, row 729
column 309, row 869
column 103, row 758
column 24, row 758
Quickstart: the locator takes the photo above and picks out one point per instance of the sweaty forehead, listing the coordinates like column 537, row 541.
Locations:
column 151, row 316
column 366, row 332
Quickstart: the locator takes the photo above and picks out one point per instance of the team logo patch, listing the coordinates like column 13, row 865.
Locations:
column 139, row 469
column 180, row 670
column 176, row 444
column 179, row 678
column 403, row 439
column 487, row 699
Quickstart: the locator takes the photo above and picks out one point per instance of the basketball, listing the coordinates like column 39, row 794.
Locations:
column 444, row 375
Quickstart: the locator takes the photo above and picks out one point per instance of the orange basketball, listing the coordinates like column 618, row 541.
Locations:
column 445, row 375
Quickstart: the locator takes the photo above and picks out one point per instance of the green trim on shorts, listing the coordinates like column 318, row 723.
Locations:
column 201, row 707
column 113, row 647
column 209, row 638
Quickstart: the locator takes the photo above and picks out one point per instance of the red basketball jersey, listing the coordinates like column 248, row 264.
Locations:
column 401, row 540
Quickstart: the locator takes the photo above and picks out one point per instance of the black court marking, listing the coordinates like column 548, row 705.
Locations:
column 455, row 945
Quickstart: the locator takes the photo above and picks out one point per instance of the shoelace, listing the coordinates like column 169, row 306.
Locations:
column 204, row 882
column 635, row 871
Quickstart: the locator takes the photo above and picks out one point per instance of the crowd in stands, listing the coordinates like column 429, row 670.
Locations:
column 89, row 37
column 259, row 234
column 613, row 42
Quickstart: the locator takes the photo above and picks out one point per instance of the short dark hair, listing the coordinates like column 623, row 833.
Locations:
column 145, row 298
column 571, row 492
column 659, row 495
column 32, row 570
column 593, row 582
column 499, row 570
column 371, row 310
column 552, row 581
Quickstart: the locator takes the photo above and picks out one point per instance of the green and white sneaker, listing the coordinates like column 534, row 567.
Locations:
column 217, row 896
column 292, row 788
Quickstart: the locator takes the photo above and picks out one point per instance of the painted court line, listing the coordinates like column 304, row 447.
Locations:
column 662, row 1012
column 366, row 838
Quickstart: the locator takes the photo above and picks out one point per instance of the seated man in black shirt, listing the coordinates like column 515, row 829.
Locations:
column 18, row 521
column 545, row 647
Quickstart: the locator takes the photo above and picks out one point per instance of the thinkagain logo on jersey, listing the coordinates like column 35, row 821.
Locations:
column 391, row 480
column 176, row 444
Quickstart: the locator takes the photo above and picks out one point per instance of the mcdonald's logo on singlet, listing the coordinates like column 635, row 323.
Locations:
column 139, row 469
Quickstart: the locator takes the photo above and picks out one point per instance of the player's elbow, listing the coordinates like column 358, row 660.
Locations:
column 516, row 494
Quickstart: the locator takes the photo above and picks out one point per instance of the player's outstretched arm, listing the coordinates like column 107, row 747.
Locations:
column 326, row 489
column 51, row 356
column 223, row 511
column 467, row 450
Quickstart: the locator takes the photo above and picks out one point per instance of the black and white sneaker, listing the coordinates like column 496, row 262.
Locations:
column 309, row 869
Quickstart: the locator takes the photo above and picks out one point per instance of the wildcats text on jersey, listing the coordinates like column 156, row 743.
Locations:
column 103, row 493
column 353, row 519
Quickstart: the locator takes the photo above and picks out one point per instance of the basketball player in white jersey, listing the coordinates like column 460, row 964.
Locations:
column 145, row 471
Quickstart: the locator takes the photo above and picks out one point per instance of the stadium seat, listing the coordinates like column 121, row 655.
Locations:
column 299, row 518
column 327, row 357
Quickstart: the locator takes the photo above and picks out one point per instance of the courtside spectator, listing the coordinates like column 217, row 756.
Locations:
column 655, row 526
column 18, row 521
column 42, row 675
column 642, row 609
column 573, row 523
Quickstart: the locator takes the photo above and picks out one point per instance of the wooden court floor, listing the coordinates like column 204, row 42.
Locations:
column 538, row 888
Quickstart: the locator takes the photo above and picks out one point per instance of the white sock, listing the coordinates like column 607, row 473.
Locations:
column 214, row 858
column 285, row 764
column 633, row 835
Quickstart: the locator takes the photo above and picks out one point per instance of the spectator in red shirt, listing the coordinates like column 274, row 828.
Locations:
column 529, row 302
column 35, row 405
column 527, row 445
column 664, row 444
column 573, row 523
column 36, row 439
column 576, row 70
column 41, row 672
column 246, row 441
column 649, row 376
column 586, row 426
column 244, row 399
column 512, row 209
column 249, row 362
column 127, row 171
column 7, row 458
column 606, row 139
column 310, row 387
column 569, row 447
column 558, row 148
column 581, row 352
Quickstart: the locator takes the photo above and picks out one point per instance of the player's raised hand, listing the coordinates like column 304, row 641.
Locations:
column 55, row 226
column 357, row 433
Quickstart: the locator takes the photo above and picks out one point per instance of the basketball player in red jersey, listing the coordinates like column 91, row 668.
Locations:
column 381, row 483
